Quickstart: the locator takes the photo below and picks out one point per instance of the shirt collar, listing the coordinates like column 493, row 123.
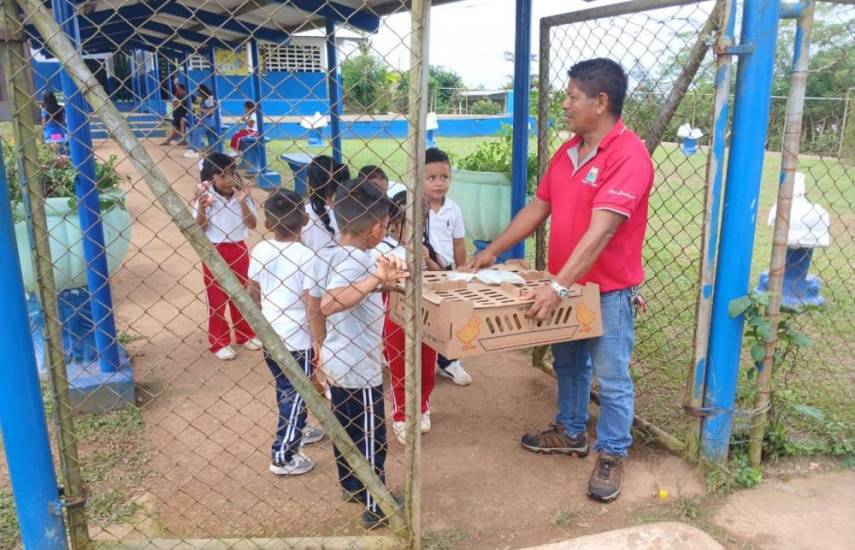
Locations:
column 576, row 140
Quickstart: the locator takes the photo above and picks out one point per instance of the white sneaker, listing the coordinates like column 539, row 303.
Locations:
column 456, row 374
column 299, row 464
column 253, row 345
column 190, row 154
column 400, row 430
column 425, row 423
column 225, row 354
column 312, row 434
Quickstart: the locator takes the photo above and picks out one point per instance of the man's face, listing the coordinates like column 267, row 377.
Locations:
column 582, row 111
column 437, row 180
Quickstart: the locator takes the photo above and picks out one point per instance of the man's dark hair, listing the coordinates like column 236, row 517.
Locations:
column 358, row 205
column 249, row 105
column 370, row 171
column 435, row 154
column 596, row 76
column 285, row 211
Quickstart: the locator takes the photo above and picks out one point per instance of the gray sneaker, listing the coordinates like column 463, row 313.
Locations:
column 312, row 434
column 298, row 465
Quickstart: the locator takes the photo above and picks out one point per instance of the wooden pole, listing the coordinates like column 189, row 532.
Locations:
column 174, row 205
column 18, row 74
column 417, row 115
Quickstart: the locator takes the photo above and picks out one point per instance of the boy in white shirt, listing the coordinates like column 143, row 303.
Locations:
column 351, row 353
column 279, row 282
column 446, row 234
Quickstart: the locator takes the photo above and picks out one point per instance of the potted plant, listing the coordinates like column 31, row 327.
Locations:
column 482, row 186
column 57, row 176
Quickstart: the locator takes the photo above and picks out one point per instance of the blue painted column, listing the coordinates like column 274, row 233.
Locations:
column 22, row 413
column 522, row 88
column 218, row 119
column 739, row 216
column 135, row 82
column 264, row 178
column 256, row 93
column 334, row 90
column 159, row 107
column 89, row 209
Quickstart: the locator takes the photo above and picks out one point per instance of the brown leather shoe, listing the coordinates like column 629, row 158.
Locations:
column 606, row 478
column 555, row 440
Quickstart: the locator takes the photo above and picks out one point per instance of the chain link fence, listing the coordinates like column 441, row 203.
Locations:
column 811, row 411
column 652, row 45
column 172, row 423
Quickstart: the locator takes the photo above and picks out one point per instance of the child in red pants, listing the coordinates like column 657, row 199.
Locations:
column 226, row 212
column 394, row 338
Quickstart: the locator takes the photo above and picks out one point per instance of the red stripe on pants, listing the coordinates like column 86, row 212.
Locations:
column 236, row 256
column 394, row 348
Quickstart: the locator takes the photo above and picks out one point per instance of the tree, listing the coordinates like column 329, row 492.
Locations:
column 365, row 81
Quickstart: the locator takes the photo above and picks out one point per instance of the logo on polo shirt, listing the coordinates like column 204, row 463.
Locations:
column 591, row 177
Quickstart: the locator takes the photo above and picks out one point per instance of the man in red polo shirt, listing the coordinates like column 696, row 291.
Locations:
column 596, row 191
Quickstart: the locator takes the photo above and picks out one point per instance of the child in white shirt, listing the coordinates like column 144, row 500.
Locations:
column 279, row 281
column 446, row 233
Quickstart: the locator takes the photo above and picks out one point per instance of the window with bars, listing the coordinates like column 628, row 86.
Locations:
column 198, row 62
column 292, row 58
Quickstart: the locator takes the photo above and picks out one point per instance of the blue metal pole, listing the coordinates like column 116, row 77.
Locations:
column 89, row 208
column 135, row 86
column 218, row 119
column 158, row 99
column 256, row 91
column 741, row 197
column 522, row 86
column 22, row 414
column 334, row 90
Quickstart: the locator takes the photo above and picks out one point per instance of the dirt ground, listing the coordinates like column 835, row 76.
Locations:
column 208, row 425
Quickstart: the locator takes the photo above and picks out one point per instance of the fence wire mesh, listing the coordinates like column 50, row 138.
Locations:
column 197, row 429
column 653, row 46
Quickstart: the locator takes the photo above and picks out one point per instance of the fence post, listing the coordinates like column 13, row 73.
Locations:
column 22, row 413
column 522, row 85
column 741, row 197
column 417, row 99
column 215, row 92
column 334, row 92
column 789, row 163
column 712, row 207
column 18, row 75
column 89, row 208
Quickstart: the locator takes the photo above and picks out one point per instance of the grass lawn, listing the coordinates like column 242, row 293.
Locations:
column 672, row 253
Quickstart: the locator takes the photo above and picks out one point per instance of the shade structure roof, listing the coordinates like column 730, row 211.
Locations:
column 192, row 25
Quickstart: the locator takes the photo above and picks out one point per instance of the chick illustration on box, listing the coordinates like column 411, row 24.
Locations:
column 585, row 316
column 470, row 332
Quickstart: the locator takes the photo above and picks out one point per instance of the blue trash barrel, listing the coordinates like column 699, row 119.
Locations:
column 298, row 162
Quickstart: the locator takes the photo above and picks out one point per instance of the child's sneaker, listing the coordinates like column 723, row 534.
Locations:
column 425, row 423
column 253, row 345
column 225, row 354
column 299, row 464
column 455, row 372
column 373, row 520
column 312, row 434
column 400, row 430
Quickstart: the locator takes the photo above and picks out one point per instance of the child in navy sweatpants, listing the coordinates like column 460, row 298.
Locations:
column 354, row 312
column 279, row 281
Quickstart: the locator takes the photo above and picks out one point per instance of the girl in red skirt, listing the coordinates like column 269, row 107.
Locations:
column 224, row 209
column 394, row 340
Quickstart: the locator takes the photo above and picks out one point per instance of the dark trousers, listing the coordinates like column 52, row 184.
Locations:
column 442, row 361
column 361, row 412
column 292, row 409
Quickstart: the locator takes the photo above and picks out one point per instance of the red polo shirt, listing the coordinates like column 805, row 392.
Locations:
column 616, row 176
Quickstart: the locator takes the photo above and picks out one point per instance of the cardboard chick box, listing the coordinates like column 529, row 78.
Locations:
column 461, row 318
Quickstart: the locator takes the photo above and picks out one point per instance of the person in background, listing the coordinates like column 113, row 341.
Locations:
column 375, row 175
column 248, row 125
column 225, row 210
column 446, row 235
column 53, row 118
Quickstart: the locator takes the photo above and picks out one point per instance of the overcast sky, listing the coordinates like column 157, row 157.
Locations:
column 469, row 36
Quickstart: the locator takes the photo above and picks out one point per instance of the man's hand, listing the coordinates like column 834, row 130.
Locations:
column 546, row 300
column 390, row 270
column 485, row 258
